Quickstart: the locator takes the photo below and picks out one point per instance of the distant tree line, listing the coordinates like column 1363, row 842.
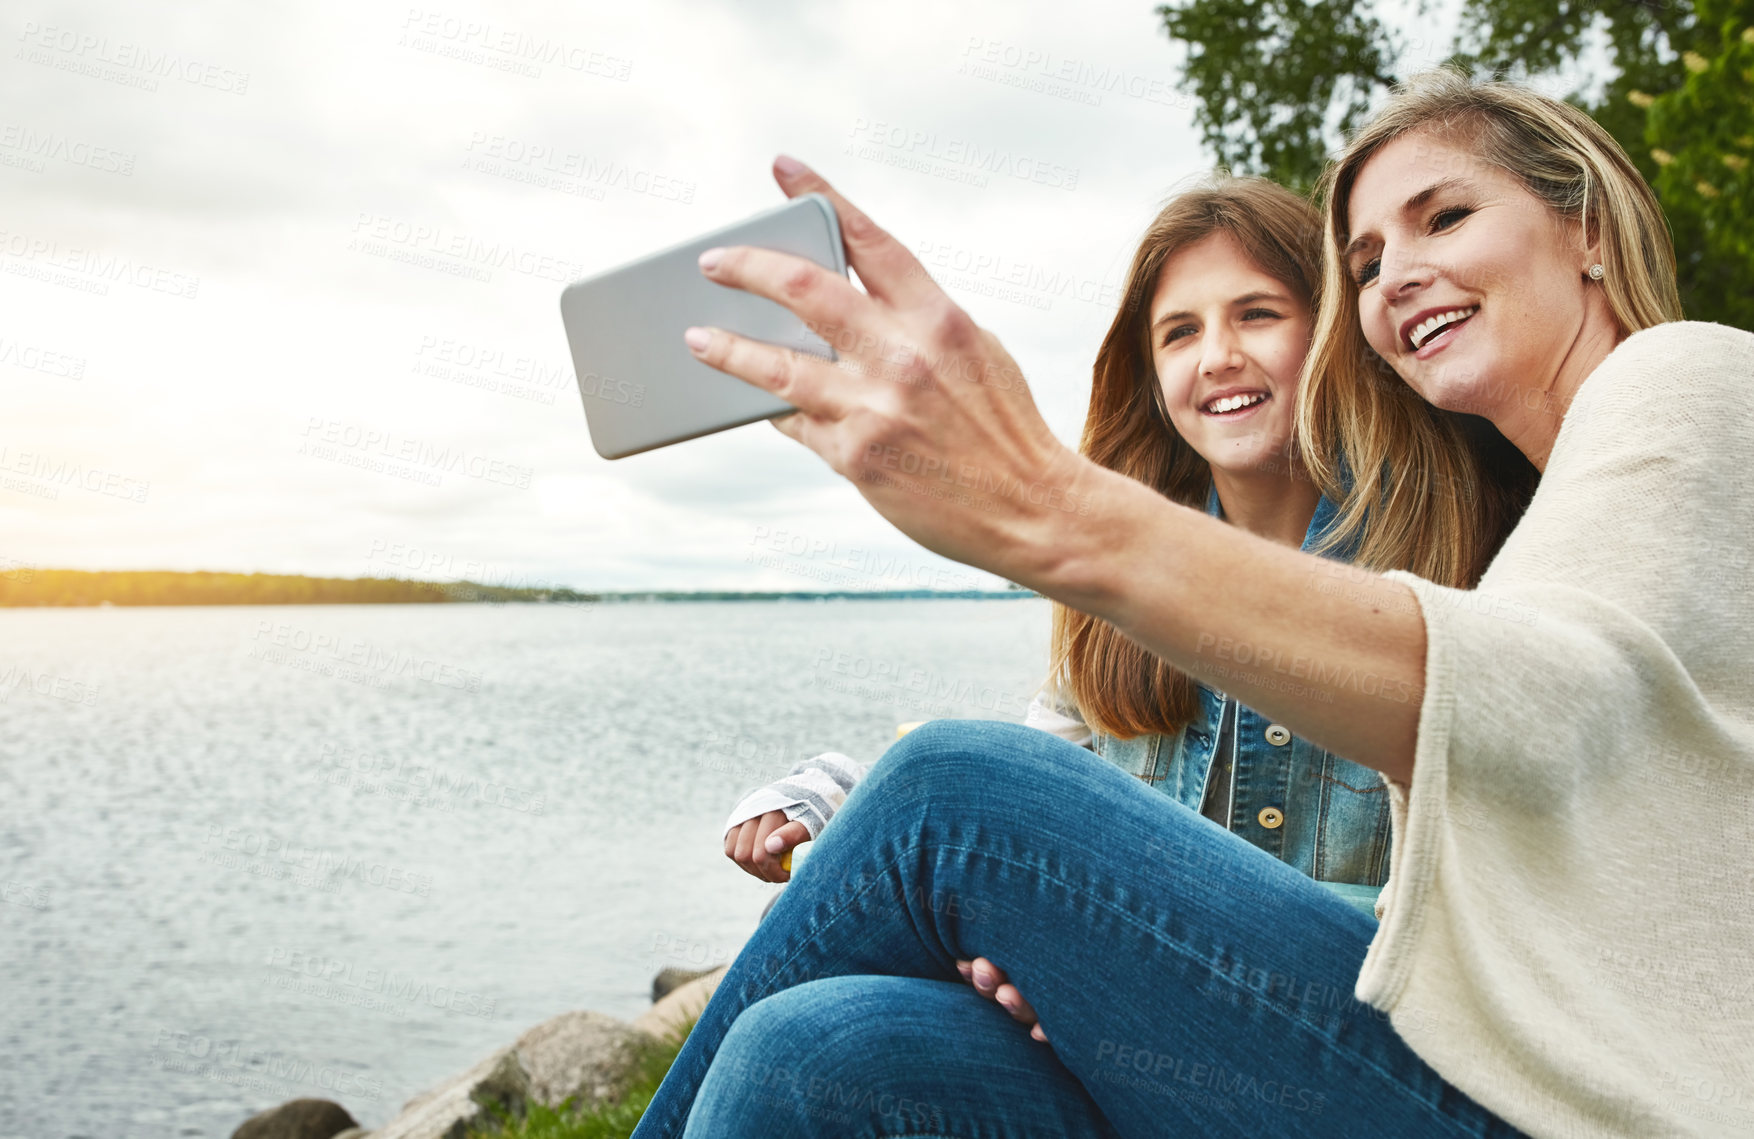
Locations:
column 25, row 587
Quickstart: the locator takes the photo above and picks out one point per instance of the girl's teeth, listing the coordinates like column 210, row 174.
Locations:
column 1232, row 403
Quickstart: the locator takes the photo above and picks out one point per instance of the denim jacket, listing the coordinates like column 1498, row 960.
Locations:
column 1325, row 816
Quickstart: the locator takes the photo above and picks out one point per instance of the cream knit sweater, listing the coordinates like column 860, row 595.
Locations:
column 1568, row 929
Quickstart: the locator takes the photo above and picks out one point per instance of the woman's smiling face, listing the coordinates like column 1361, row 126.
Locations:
column 1228, row 341
column 1469, row 285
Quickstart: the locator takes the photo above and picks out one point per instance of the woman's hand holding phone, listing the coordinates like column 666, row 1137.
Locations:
column 924, row 411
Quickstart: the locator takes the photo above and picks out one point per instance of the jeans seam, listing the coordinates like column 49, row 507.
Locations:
column 1185, row 951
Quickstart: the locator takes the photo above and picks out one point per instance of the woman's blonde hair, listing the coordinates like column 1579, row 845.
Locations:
column 1415, row 474
column 1120, row 688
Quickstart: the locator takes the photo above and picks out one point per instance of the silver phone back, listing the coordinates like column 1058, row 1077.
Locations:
column 641, row 385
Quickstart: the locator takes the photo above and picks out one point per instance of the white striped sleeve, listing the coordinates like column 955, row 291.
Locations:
column 811, row 792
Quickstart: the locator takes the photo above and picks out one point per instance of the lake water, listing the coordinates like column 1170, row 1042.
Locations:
column 252, row 854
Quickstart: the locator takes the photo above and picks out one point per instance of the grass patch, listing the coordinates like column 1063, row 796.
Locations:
column 611, row 1121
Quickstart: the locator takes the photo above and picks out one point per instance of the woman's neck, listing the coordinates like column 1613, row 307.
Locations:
column 1268, row 504
column 1531, row 420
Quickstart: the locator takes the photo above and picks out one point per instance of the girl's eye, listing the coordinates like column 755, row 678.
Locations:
column 1367, row 272
column 1178, row 333
column 1446, row 218
column 1260, row 313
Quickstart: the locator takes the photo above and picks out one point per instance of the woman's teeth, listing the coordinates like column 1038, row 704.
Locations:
column 1429, row 327
column 1234, row 403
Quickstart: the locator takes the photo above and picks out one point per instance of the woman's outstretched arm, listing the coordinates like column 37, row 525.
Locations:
column 1334, row 653
column 931, row 419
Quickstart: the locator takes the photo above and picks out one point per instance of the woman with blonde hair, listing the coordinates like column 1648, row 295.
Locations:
column 1194, row 394
column 1569, row 746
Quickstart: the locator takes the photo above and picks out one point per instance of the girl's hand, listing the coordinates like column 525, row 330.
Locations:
column 925, row 412
column 989, row 981
column 757, row 844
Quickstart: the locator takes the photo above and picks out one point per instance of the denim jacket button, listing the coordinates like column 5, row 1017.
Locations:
column 1277, row 735
column 1271, row 817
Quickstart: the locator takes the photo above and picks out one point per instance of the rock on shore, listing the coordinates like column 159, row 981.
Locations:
column 587, row 1057
column 299, row 1119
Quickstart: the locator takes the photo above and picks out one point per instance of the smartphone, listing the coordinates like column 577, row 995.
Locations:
column 642, row 387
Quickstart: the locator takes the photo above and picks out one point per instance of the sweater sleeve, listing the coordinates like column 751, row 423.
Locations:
column 1567, row 923
column 811, row 792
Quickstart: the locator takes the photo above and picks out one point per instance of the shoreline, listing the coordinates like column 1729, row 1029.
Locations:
column 31, row 588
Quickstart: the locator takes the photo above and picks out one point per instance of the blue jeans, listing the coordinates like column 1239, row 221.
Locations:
column 1189, row 983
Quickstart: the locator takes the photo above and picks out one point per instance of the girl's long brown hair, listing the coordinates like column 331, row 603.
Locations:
column 1118, row 687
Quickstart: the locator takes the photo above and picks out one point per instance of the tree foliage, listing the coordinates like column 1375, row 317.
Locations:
column 1703, row 144
column 1278, row 83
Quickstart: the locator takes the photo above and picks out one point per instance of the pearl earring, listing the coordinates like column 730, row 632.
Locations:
column 1596, row 272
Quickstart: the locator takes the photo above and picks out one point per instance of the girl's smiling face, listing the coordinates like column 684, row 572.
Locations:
column 1228, row 342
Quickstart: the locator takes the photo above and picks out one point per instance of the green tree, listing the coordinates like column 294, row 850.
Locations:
column 1702, row 136
column 1278, row 83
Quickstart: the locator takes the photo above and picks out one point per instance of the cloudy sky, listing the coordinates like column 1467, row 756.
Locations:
column 246, row 261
